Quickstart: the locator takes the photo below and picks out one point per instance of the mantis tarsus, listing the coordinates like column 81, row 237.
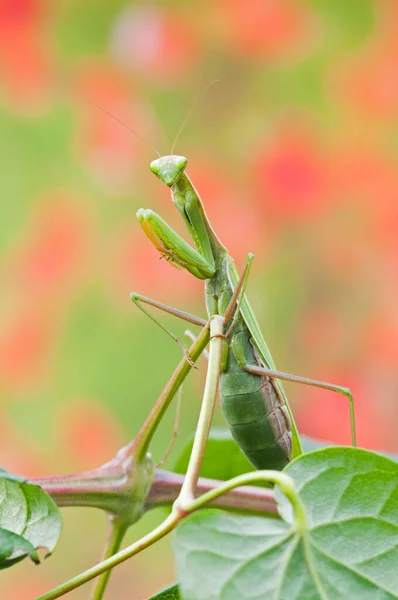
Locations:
column 253, row 399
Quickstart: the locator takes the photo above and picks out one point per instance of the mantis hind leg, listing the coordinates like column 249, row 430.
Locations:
column 262, row 371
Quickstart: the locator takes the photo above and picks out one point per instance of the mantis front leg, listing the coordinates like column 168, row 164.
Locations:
column 254, row 401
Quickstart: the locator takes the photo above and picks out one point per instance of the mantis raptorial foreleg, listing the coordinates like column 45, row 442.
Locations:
column 253, row 398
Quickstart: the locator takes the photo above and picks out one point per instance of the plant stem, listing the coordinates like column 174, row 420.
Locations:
column 188, row 489
column 173, row 519
column 118, row 487
column 139, row 446
column 102, row 487
column 98, row 488
column 155, row 535
column 117, row 529
column 138, row 449
column 247, row 499
column 185, row 502
column 92, row 489
column 285, row 483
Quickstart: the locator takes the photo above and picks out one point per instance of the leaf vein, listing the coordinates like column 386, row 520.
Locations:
column 351, row 569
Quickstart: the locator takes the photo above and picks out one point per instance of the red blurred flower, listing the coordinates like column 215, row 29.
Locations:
column 259, row 29
column 18, row 454
column 25, row 344
column 325, row 415
column 233, row 217
column 320, row 329
column 291, row 176
column 50, row 260
column 29, row 586
column 108, row 149
column 15, row 13
column 88, row 433
column 160, row 45
column 369, row 82
column 55, row 250
column 363, row 174
column 380, row 338
column 25, row 64
column 368, row 182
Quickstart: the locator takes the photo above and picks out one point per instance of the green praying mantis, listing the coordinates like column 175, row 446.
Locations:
column 240, row 366
column 252, row 396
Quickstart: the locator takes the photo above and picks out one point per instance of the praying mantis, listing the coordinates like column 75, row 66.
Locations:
column 240, row 365
column 252, row 396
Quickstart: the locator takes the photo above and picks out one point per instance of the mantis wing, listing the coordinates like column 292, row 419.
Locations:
column 265, row 354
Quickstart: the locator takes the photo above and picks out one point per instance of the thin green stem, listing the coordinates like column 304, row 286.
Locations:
column 149, row 539
column 139, row 446
column 206, row 413
column 186, row 503
column 285, row 483
column 187, row 490
column 117, row 530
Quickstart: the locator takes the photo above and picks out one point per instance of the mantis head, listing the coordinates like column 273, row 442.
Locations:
column 168, row 168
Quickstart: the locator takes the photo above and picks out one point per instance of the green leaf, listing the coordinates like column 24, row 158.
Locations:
column 7, row 475
column 29, row 519
column 350, row 549
column 171, row 593
column 310, row 444
column 13, row 545
column 223, row 458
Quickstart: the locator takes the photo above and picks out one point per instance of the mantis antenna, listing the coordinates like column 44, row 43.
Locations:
column 189, row 113
column 124, row 125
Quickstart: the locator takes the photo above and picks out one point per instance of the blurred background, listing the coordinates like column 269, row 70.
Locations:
column 295, row 155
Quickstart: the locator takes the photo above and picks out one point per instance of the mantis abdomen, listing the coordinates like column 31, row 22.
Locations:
column 258, row 419
column 256, row 413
